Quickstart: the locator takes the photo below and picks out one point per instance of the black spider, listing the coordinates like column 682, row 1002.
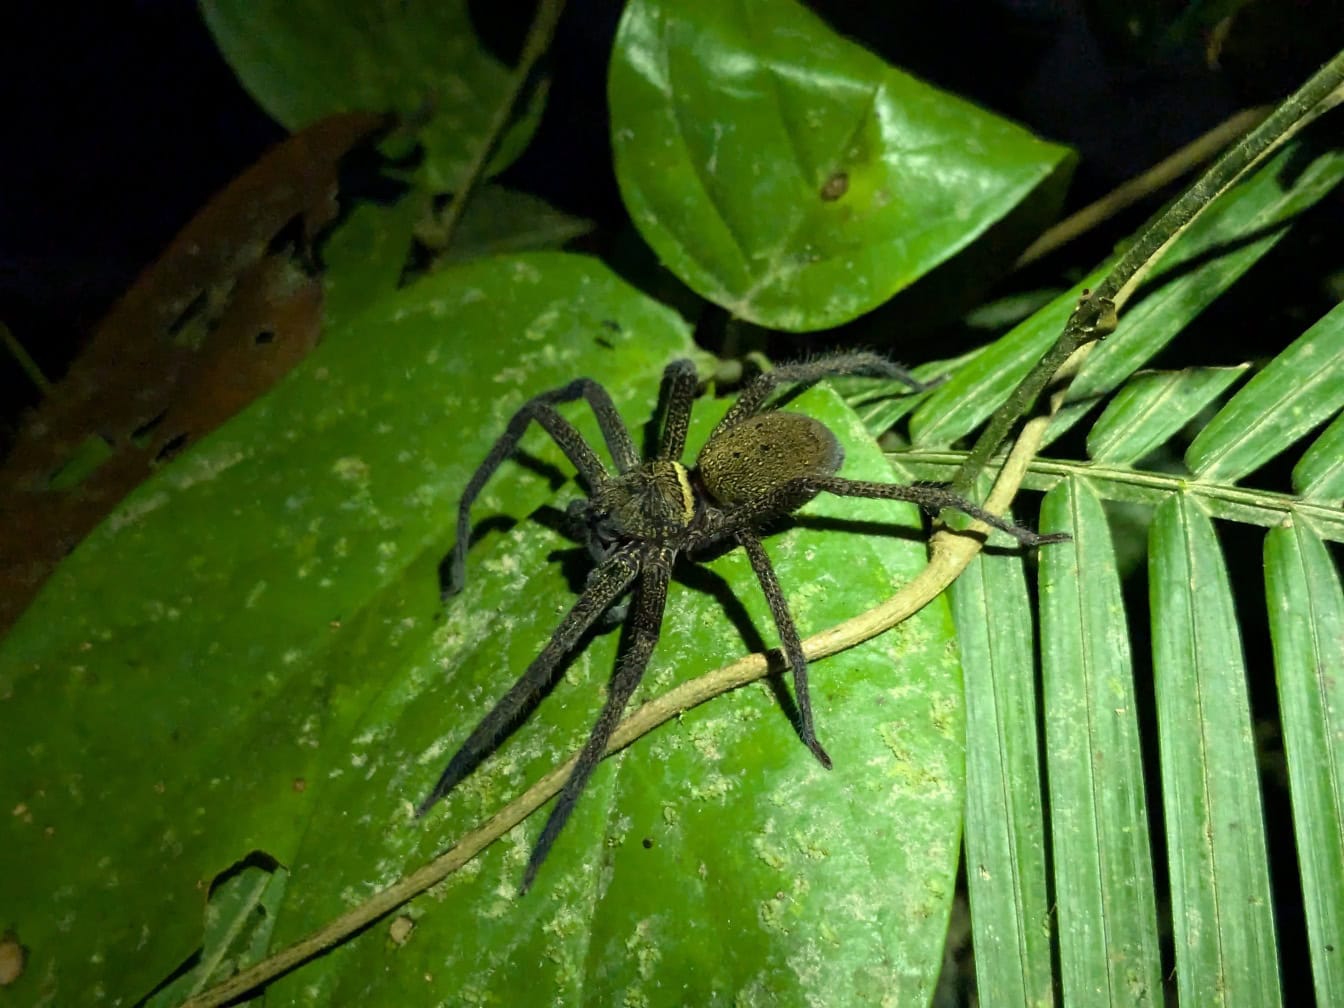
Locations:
column 758, row 464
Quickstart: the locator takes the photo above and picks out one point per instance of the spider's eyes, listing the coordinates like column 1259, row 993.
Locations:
column 757, row 456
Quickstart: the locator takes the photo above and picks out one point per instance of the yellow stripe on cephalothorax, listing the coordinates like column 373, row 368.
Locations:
column 687, row 495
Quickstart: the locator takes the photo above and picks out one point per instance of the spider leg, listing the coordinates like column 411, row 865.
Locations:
column 934, row 498
column 807, row 372
column 680, row 383
column 604, row 586
column 541, row 408
column 788, row 637
column 647, row 618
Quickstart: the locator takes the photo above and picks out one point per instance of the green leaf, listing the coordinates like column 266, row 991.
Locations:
column 712, row 861
column 1107, row 920
column 239, row 919
column 1226, row 951
column 1005, row 833
column 1306, row 621
column 1297, row 390
column 251, row 655
column 187, row 682
column 498, row 221
column 789, row 175
column 365, row 257
column 1218, row 248
column 976, row 389
column 420, row 59
column 1319, row 473
column 1151, row 407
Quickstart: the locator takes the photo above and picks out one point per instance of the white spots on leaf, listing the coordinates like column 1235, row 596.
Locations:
column 524, row 272
column 202, row 467
column 351, row 469
column 254, row 595
column 135, row 510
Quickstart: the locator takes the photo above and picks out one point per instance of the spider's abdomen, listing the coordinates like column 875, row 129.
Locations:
column 652, row 502
column 757, row 456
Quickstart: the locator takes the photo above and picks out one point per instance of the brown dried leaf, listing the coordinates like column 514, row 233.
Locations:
column 226, row 311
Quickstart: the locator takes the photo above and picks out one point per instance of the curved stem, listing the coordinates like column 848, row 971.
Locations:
column 534, row 47
column 1096, row 313
column 950, row 552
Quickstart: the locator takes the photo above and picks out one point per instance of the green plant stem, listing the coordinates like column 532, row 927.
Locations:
column 1096, row 314
column 538, row 40
column 1143, row 185
column 26, row 362
column 1136, row 486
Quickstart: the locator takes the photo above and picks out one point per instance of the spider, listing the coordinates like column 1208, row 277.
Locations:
column 759, row 464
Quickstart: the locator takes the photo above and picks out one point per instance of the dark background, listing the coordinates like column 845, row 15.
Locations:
column 123, row 119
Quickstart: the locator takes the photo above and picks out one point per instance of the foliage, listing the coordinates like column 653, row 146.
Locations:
column 226, row 702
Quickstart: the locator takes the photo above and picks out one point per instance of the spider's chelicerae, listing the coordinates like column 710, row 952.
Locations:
column 758, row 464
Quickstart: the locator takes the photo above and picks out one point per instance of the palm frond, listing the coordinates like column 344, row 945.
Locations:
column 1167, row 838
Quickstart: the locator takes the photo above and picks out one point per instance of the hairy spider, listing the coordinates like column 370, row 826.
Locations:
column 758, row 464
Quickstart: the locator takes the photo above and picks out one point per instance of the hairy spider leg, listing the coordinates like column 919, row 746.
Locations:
column 932, row 498
column 645, row 624
column 788, row 639
column 605, row 585
column 541, row 408
column 680, row 384
column 807, row 372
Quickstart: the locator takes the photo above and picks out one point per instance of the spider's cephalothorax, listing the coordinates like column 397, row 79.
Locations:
column 758, row 464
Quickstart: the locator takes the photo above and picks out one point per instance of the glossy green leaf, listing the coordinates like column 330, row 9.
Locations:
column 187, row 682
column 239, row 919
column 365, row 256
column 1298, row 390
column 709, row 863
column 1222, row 914
column 251, row 655
column 1105, row 913
column 1151, row 407
column 791, row 176
column 1306, row 621
column 1319, row 473
column 1005, row 832
column 976, row 389
column 497, row 221
column 420, row 59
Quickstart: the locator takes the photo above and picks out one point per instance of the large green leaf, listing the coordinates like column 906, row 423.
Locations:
column 1306, row 620
column 250, row 655
column 1108, row 939
column 788, row 174
column 714, row 862
column 1298, row 390
column 184, row 684
column 1221, row 907
column 1005, row 831
column 305, row 59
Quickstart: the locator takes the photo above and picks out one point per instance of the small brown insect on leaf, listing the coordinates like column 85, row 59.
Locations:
column 835, row 187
